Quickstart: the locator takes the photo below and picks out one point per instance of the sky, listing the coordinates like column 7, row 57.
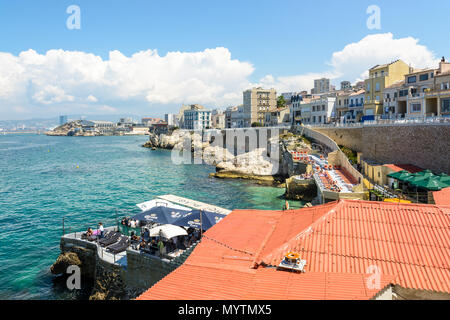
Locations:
column 148, row 57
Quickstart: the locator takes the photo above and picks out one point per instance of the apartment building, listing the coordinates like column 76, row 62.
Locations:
column 218, row 119
column 346, row 85
column 277, row 117
column 355, row 106
column 171, row 119
column 295, row 109
column 196, row 119
column 342, row 103
column 321, row 86
column 257, row 101
column 380, row 77
column 420, row 93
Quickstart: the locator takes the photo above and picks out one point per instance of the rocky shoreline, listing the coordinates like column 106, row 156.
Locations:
column 255, row 165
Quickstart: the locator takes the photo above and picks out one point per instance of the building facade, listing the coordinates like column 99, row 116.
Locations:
column 257, row 101
column 194, row 119
column 171, row 119
column 321, row 86
column 380, row 77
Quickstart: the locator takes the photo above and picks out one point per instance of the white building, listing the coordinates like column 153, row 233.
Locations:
column 171, row 119
column 197, row 119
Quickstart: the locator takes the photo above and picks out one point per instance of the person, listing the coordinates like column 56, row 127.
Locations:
column 146, row 235
column 161, row 247
column 175, row 242
column 142, row 245
column 89, row 232
column 101, row 230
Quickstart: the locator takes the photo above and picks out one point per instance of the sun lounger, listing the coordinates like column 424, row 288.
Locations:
column 112, row 238
column 120, row 246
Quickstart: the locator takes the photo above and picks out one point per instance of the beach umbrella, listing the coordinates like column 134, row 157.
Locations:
column 160, row 214
column 168, row 231
column 401, row 175
column 431, row 184
column 444, row 178
column 192, row 219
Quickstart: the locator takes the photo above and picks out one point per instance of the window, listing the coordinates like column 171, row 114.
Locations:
column 444, row 86
column 377, row 86
column 412, row 79
column 415, row 107
column 323, row 108
column 403, row 93
column 368, row 87
column 445, row 108
column 423, row 77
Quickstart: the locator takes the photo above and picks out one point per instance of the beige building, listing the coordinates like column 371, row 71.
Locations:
column 257, row 101
column 380, row 77
column 277, row 117
column 321, row 86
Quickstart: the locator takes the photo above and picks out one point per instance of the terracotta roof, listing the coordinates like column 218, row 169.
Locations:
column 190, row 282
column 442, row 197
column 409, row 243
column 408, row 167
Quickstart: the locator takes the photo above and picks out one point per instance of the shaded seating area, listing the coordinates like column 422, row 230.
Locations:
column 417, row 185
column 170, row 231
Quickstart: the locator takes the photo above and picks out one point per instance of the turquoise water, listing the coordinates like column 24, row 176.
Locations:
column 85, row 179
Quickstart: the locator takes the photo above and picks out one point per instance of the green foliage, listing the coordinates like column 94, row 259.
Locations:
column 256, row 124
column 350, row 154
column 281, row 102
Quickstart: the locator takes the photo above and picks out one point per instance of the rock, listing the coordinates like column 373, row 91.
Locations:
column 254, row 163
column 303, row 190
column 65, row 260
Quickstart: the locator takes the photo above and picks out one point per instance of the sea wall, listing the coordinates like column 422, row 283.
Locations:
column 424, row 145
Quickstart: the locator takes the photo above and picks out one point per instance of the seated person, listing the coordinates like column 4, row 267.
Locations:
column 134, row 237
column 89, row 232
column 143, row 245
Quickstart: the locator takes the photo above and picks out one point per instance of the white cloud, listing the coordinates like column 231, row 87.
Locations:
column 62, row 81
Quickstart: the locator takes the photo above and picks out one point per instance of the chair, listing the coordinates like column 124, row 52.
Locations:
column 120, row 246
column 112, row 238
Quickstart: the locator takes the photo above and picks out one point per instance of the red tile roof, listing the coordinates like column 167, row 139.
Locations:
column 442, row 197
column 408, row 167
column 409, row 243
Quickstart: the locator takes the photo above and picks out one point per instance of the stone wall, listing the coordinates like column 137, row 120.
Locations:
column 349, row 137
column 424, row 145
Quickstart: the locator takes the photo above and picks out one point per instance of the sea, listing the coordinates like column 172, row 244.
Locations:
column 84, row 180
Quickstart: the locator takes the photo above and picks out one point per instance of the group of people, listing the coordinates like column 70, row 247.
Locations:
column 128, row 222
column 90, row 234
column 158, row 244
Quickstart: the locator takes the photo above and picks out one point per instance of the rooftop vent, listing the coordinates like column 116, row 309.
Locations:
column 292, row 262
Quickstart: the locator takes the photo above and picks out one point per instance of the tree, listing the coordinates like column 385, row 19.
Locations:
column 256, row 124
column 281, row 103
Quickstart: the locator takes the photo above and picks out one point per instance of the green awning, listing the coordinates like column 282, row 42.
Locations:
column 400, row 175
column 414, row 178
column 431, row 183
column 444, row 178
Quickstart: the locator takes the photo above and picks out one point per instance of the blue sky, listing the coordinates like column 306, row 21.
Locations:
column 278, row 38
